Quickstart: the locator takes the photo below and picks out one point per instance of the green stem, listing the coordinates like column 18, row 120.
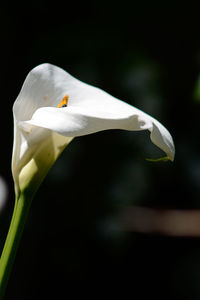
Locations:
column 21, row 209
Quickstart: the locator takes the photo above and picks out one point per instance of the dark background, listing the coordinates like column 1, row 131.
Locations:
column 145, row 53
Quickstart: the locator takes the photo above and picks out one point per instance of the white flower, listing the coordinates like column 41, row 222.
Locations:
column 53, row 107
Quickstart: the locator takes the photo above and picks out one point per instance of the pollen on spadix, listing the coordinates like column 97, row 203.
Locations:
column 64, row 101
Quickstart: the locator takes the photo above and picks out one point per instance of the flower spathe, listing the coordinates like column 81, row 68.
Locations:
column 43, row 125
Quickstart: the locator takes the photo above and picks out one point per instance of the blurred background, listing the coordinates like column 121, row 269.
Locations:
column 106, row 221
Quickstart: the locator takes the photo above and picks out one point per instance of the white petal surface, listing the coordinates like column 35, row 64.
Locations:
column 78, row 121
column 44, row 86
column 89, row 110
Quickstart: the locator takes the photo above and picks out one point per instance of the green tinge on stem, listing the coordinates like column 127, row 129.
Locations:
column 21, row 209
column 28, row 177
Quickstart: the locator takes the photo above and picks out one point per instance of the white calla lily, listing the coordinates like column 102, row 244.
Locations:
column 43, row 127
column 51, row 109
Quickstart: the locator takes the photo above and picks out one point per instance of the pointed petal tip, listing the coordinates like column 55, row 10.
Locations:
column 161, row 137
column 172, row 154
column 161, row 159
column 171, row 149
